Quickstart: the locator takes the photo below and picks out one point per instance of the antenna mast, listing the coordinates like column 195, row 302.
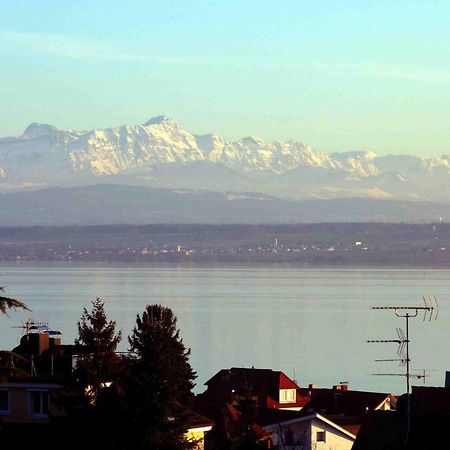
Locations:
column 430, row 311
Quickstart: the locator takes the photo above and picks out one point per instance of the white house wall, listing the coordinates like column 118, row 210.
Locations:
column 335, row 440
column 304, row 435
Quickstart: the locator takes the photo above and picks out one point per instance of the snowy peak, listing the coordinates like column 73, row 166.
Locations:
column 161, row 120
column 160, row 153
column 39, row 129
column 355, row 155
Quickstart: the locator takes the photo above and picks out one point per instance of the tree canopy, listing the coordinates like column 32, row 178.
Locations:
column 159, row 382
column 10, row 303
column 98, row 363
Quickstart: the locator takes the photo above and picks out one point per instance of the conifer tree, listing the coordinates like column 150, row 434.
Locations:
column 8, row 359
column 90, row 404
column 159, row 383
column 99, row 363
column 10, row 303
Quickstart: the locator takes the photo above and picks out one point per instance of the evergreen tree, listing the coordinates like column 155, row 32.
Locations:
column 8, row 359
column 9, row 303
column 90, row 403
column 236, row 427
column 99, row 363
column 157, row 389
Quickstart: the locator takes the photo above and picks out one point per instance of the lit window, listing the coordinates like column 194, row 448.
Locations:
column 4, row 402
column 321, row 436
column 287, row 395
column 38, row 403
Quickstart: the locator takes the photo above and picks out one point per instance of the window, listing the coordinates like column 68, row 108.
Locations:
column 288, row 395
column 4, row 402
column 38, row 403
column 321, row 436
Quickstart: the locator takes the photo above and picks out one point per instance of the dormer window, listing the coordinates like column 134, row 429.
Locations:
column 288, row 395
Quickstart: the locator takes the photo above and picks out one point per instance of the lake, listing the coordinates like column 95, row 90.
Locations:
column 310, row 323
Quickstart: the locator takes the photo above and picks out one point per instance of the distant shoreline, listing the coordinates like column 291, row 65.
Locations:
column 346, row 245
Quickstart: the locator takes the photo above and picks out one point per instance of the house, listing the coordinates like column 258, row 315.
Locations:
column 307, row 432
column 27, row 402
column 32, row 374
column 294, row 416
column 345, row 407
column 238, row 396
column 330, row 419
column 39, row 372
column 200, row 425
column 269, row 388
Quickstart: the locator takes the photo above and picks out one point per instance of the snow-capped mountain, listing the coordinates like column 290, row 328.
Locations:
column 160, row 153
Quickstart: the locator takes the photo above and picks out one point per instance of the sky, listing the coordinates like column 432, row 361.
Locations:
column 339, row 75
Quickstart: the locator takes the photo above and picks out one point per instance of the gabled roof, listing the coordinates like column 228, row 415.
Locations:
column 256, row 377
column 304, row 418
column 265, row 384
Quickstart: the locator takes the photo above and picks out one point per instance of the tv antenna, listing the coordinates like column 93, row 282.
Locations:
column 430, row 311
column 34, row 327
column 31, row 326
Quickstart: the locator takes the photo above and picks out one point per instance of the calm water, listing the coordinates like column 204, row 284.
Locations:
column 314, row 322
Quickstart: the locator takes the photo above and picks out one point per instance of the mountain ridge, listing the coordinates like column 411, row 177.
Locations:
column 47, row 156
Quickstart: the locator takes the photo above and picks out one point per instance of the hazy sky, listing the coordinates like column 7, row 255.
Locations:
column 339, row 75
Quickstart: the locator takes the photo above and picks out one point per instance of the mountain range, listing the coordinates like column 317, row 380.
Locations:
column 158, row 172
column 161, row 154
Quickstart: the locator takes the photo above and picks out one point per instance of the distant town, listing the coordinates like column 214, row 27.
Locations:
column 343, row 244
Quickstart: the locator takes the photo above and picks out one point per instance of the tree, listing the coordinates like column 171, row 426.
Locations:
column 10, row 303
column 7, row 358
column 157, row 389
column 99, row 362
column 90, row 402
column 236, row 427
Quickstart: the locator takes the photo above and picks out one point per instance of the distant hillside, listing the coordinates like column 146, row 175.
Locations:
column 113, row 204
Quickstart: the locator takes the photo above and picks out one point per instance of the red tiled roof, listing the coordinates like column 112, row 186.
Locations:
column 264, row 384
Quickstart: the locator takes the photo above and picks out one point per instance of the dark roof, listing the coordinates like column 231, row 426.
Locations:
column 431, row 400
column 272, row 416
column 344, row 403
column 381, row 430
column 350, row 424
column 198, row 420
column 240, row 375
column 265, row 384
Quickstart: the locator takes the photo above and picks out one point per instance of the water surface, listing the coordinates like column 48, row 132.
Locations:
column 311, row 322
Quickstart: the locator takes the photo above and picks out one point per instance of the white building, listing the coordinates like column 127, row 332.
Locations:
column 312, row 432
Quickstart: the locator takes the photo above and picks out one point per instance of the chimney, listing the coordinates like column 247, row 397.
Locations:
column 342, row 386
column 35, row 343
